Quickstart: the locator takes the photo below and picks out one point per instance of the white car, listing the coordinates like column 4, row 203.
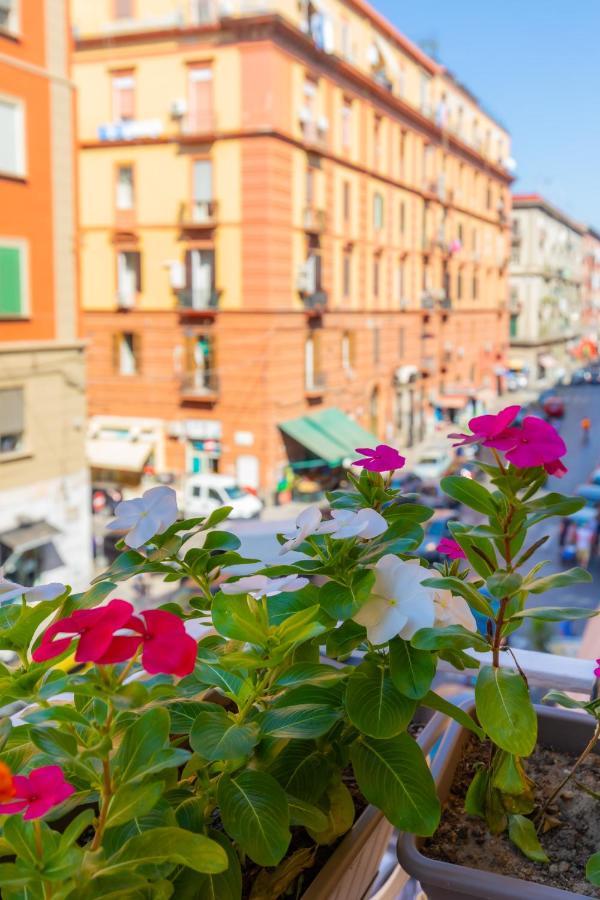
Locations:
column 433, row 464
column 205, row 493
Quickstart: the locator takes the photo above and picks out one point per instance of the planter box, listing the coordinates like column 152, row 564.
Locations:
column 562, row 729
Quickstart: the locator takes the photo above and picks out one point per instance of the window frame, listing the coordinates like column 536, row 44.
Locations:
column 21, row 448
column 115, row 75
column 22, row 245
column 19, row 104
column 13, row 29
column 378, row 207
column 119, row 166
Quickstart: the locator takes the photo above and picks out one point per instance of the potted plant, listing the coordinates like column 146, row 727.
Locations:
column 492, row 783
column 208, row 748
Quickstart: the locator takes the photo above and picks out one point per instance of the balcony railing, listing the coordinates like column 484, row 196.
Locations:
column 316, row 300
column 200, row 383
column 314, row 219
column 194, row 299
column 198, row 214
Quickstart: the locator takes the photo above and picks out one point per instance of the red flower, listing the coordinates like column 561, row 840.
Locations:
column 556, row 468
column 382, row 459
column 7, row 785
column 534, row 444
column 112, row 634
column 486, row 428
column 451, row 549
column 38, row 793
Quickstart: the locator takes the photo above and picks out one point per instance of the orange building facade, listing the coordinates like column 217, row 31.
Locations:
column 44, row 480
column 281, row 213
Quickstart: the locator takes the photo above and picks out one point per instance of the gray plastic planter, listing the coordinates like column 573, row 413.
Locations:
column 558, row 728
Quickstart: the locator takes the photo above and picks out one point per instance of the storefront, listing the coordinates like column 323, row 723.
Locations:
column 202, row 438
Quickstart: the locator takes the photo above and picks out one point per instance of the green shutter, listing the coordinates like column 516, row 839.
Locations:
column 10, row 281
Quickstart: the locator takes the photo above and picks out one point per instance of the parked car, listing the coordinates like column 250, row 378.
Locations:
column 435, row 530
column 554, row 406
column 581, row 376
column 433, row 463
column 205, row 493
column 105, row 497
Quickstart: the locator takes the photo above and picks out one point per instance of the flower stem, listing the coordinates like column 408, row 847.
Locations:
column 39, row 849
column 107, row 789
column 584, row 754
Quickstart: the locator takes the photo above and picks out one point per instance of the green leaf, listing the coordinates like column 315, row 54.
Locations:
column 131, row 801
column 505, row 711
column 225, row 885
column 306, row 814
column 374, row 705
column 339, row 814
column 504, row 584
column 564, row 700
column 237, row 616
column 555, row 613
column 254, row 811
column 170, row 844
column 522, row 833
column 454, row 637
column 433, row 701
column 183, row 715
column 75, row 829
column 316, row 694
column 216, row 517
column 302, row 770
column 143, row 739
column 13, row 876
column 307, row 720
column 338, row 600
column 462, row 589
column 341, row 642
column 58, row 744
column 411, row 670
column 559, row 579
column 20, row 836
column 311, row 673
column 394, row 776
column 215, row 736
column 476, row 797
column 221, row 540
column 592, row 869
column 214, row 675
column 469, row 492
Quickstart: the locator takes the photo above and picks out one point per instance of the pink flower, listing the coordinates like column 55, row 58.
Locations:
column 597, row 671
column 382, row 459
column 556, row 468
column 112, row 634
column 534, row 444
column 487, row 428
column 38, row 793
column 451, row 549
column 95, row 629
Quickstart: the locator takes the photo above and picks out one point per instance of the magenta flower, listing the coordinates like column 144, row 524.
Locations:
column 597, row 671
column 382, row 459
column 113, row 634
column 556, row 468
column 38, row 792
column 95, row 629
column 487, row 428
column 534, row 444
column 451, row 549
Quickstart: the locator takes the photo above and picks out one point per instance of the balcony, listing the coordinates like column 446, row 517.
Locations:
column 317, row 300
column 199, row 384
column 427, row 300
column 196, row 215
column 314, row 220
column 195, row 300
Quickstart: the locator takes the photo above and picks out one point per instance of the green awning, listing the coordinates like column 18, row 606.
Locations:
column 329, row 434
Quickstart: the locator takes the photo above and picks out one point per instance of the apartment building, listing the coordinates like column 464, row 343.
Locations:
column 590, row 313
column 44, row 483
column 546, row 321
column 294, row 234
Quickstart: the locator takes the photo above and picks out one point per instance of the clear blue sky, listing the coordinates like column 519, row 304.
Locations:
column 536, row 65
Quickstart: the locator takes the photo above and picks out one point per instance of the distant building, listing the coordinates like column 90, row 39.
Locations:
column 591, row 286
column 546, row 274
column 289, row 214
column 44, row 482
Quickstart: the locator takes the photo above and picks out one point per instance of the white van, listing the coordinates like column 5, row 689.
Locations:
column 205, row 493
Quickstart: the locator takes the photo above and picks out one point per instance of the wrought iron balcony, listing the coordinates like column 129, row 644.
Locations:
column 316, row 300
column 197, row 300
column 314, row 219
column 198, row 214
column 200, row 384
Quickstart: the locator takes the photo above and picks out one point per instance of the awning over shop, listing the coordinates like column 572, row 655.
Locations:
column 452, row 401
column 30, row 534
column 330, row 435
column 124, row 456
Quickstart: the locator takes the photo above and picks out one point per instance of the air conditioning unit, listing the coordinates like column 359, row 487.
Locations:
column 179, row 107
column 303, row 279
column 125, row 300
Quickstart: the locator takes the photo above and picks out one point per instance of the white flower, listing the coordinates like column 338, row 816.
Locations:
column 399, row 604
column 366, row 523
column 146, row 516
column 262, row 586
column 9, row 590
column 307, row 523
column 451, row 610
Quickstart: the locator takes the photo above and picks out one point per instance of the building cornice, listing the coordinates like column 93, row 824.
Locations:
column 536, row 201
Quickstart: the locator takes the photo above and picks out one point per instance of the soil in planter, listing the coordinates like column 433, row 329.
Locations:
column 465, row 840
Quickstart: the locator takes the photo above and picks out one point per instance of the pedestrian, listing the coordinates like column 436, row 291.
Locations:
column 583, row 543
column 564, row 528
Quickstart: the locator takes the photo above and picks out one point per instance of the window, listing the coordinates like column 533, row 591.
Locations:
column 310, row 186
column 313, row 375
column 203, row 191
column 203, row 11
column 348, row 351
column 402, row 209
column 308, row 111
column 129, row 275
column 12, row 137
column 199, row 363
column 424, row 93
column 12, row 420
column 13, row 280
column 376, row 273
column 459, row 233
column 347, row 273
column 475, row 287
column 400, row 280
column 514, row 325
column 127, row 352
column 123, row 9
column 346, row 200
column 488, row 195
column 376, row 345
column 377, row 140
column 123, row 87
column 200, row 279
column 459, row 285
column 345, row 39
column 124, row 195
column 9, row 16
column 200, row 99
column 378, row 211
column 401, row 342
column 347, row 124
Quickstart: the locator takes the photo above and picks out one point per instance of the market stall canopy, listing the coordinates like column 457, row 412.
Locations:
column 125, row 456
column 330, row 435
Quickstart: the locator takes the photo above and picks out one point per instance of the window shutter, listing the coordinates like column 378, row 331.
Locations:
column 136, row 258
column 12, row 132
column 136, row 346
column 12, row 418
column 201, row 99
column 202, row 180
column 10, row 281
